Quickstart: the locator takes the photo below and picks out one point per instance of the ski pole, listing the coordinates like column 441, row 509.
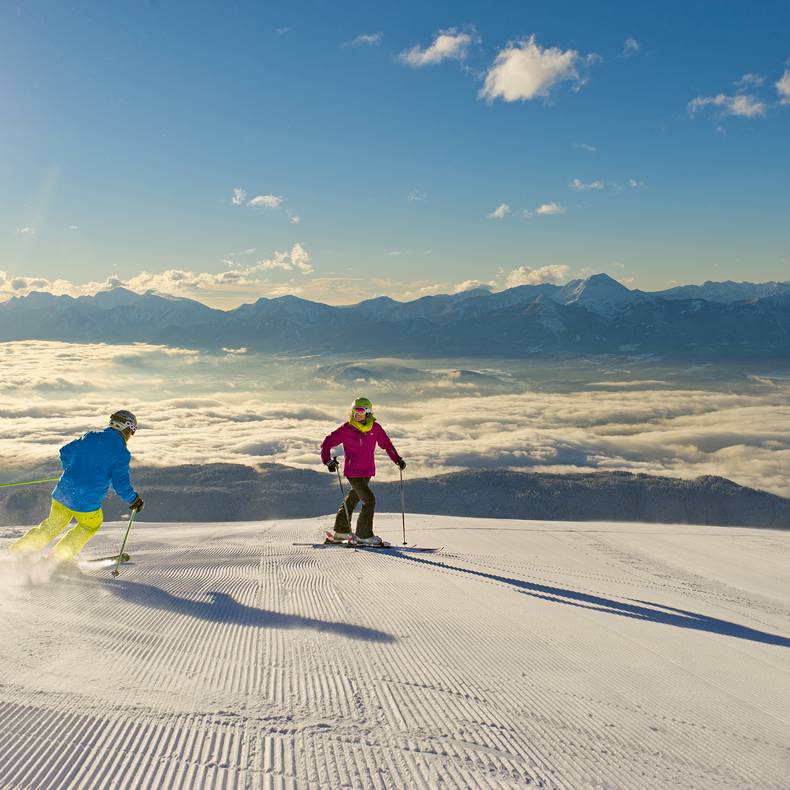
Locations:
column 30, row 482
column 123, row 545
column 402, row 507
column 343, row 494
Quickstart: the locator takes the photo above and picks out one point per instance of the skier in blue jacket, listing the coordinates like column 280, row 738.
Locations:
column 90, row 464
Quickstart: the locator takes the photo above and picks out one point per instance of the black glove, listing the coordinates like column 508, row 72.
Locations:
column 137, row 505
column 332, row 464
column 401, row 464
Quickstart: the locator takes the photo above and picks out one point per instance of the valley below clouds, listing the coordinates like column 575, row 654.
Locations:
column 444, row 415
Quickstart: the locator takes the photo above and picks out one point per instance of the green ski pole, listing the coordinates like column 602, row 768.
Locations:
column 30, row 482
column 123, row 545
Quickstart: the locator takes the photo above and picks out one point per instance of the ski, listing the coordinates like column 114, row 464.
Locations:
column 351, row 544
column 114, row 558
column 411, row 549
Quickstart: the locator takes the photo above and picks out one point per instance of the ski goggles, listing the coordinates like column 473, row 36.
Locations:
column 122, row 421
column 360, row 412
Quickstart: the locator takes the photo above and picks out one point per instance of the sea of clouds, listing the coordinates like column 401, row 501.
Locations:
column 443, row 415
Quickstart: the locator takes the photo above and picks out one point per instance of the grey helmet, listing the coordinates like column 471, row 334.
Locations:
column 123, row 420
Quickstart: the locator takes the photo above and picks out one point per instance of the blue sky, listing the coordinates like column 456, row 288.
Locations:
column 342, row 150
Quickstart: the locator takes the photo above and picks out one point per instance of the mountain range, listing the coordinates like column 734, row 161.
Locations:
column 233, row 492
column 596, row 315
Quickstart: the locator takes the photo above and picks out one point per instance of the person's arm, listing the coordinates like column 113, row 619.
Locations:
column 386, row 445
column 119, row 474
column 67, row 453
column 331, row 441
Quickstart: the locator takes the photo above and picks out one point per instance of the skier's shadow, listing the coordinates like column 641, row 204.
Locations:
column 223, row 608
column 639, row 610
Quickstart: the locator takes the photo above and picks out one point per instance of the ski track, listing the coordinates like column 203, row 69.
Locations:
column 225, row 657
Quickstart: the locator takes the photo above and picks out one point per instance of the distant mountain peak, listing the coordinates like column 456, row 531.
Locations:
column 599, row 292
column 376, row 300
column 602, row 278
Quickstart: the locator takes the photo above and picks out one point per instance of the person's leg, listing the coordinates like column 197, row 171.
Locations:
column 341, row 522
column 35, row 539
column 70, row 545
column 366, row 496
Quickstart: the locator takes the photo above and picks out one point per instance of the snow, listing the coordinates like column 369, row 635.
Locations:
column 549, row 654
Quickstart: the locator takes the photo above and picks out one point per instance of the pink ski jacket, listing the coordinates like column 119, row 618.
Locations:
column 359, row 449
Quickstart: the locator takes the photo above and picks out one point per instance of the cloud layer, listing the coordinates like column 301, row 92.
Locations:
column 241, row 408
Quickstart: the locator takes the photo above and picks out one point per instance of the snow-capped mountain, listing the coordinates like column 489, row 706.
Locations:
column 599, row 293
column 727, row 291
column 597, row 315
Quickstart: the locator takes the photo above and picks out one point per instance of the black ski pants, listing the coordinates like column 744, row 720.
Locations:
column 360, row 492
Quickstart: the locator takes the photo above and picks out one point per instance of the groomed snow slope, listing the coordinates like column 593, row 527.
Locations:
column 558, row 655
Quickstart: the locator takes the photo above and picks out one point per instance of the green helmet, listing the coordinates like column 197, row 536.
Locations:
column 360, row 404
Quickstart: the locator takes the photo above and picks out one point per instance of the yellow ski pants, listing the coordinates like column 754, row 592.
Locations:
column 70, row 545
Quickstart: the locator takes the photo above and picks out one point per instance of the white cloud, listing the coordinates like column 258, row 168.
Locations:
column 500, row 212
column 417, row 196
column 269, row 201
column 526, row 275
column 74, row 227
column 749, row 80
column 301, row 259
column 366, row 40
column 742, row 105
column 265, row 201
column 281, row 260
column 549, row 209
column 179, row 282
column 783, row 87
column 450, row 44
column 298, row 258
column 235, row 282
column 585, row 147
column 577, row 185
column 26, row 231
column 524, row 70
column 630, row 47
column 634, row 184
column 20, row 286
column 239, row 283
column 10, row 286
column 471, row 285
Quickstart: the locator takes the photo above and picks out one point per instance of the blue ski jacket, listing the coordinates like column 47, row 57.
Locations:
column 90, row 464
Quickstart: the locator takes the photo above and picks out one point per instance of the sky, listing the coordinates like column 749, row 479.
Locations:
column 339, row 151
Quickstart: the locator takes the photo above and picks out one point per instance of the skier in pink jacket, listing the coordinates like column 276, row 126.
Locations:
column 359, row 437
